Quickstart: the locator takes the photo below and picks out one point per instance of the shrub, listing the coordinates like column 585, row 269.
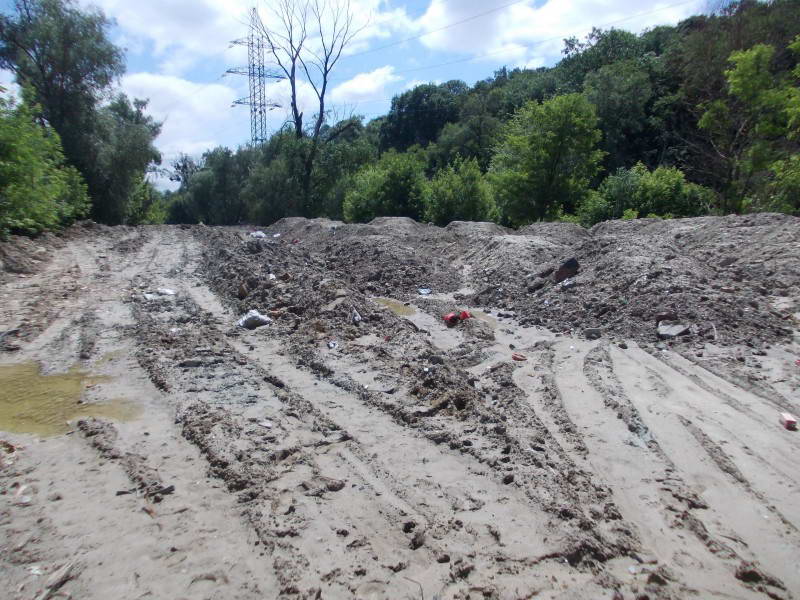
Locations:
column 37, row 190
column 395, row 187
column 459, row 193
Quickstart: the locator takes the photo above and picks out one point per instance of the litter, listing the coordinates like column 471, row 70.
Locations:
column 518, row 356
column 356, row 316
column 333, row 344
column 295, row 241
column 272, row 277
column 266, row 424
column 165, row 292
column 788, row 421
column 258, row 234
column 253, row 319
column 454, row 318
column 276, row 235
column 424, row 291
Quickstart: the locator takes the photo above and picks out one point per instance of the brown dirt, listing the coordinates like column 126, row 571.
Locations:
column 345, row 451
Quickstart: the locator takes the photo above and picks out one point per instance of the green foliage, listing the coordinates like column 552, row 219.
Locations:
column 37, row 190
column 630, row 214
column 546, row 159
column 459, row 193
column 62, row 51
column 663, row 192
column 396, row 186
column 146, row 205
column 418, row 115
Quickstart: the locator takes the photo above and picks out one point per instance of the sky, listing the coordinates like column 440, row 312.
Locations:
column 178, row 52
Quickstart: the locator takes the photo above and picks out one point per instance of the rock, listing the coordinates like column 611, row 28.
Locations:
column 418, row 540
column 593, row 333
column 546, row 273
column 566, row 270
column 253, row 319
column 665, row 315
column 509, row 478
column 242, row 292
column 671, row 329
column 536, row 285
column 623, row 345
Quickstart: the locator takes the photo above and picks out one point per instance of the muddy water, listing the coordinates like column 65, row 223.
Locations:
column 31, row 402
column 396, row 307
column 479, row 314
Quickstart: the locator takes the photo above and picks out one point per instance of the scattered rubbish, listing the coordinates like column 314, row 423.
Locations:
column 671, row 329
column 150, row 296
column 568, row 284
column 165, row 292
column 265, row 424
column 788, row 421
column 464, row 315
column 253, row 319
column 276, row 235
column 519, row 357
column 272, row 277
column 258, row 234
column 424, row 291
column 295, row 241
column 797, row 362
column 333, row 344
column 35, row 570
column 356, row 316
column 451, row 319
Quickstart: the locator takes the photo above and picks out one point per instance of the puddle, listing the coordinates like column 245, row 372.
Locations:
column 396, row 307
column 479, row 314
column 42, row 404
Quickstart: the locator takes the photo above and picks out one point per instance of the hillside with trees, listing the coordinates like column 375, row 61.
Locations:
column 698, row 118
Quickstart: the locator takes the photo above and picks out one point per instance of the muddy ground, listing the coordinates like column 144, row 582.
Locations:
column 357, row 446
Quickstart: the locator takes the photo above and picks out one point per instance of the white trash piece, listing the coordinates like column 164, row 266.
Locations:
column 258, row 234
column 253, row 319
column 165, row 292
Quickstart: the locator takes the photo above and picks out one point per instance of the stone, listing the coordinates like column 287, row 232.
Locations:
column 671, row 329
column 568, row 269
column 593, row 333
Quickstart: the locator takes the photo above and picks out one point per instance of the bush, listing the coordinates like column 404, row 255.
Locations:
column 459, row 193
column 663, row 192
column 394, row 187
column 37, row 190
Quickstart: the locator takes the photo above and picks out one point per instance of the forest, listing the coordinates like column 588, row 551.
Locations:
column 698, row 118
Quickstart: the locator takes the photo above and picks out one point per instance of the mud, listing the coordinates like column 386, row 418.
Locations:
column 357, row 447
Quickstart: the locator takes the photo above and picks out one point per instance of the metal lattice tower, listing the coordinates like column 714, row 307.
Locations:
column 257, row 75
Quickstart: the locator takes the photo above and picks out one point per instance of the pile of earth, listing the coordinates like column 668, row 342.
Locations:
column 702, row 279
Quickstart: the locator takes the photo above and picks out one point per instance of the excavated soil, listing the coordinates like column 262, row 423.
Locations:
column 356, row 446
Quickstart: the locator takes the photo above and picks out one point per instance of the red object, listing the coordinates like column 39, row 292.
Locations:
column 464, row 315
column 518, row 356
column 295, row 241
column 788, row 421
column 387, row 338
column 797, row 362
column 451, row 319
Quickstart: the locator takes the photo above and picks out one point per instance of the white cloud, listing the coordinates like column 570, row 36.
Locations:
column 365, row 86
column 7, row 82
column 531, row 35
column 195, row 117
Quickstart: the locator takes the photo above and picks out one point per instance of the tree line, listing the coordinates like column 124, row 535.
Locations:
column 698, row 118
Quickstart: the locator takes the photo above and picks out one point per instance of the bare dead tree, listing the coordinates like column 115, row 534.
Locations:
column 306, row 39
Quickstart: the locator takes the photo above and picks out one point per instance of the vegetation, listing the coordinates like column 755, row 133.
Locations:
column 698, row 118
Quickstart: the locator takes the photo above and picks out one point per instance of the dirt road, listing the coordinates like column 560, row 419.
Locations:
column 358, row 447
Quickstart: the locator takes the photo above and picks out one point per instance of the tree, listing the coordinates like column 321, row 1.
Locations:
column 63, row 53
column 123, row 140
column 37, row 190
column 306, row 42
column 459, row 193
column 546, row 159
column 417, row 116
column 395, row 187
column 620, row 92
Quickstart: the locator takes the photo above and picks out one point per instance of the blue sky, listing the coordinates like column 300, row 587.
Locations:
column 178, row 50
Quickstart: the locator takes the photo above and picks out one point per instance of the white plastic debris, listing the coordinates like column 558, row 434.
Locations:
column 424, row 291
column 150, row 296
column 253, row 319
column 258, row 234
column 165, row 292
column 265, row 424
column 333, row 344
column 272, row 277
column 276, row 235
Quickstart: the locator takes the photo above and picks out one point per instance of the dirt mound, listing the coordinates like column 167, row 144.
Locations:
column 471, row 228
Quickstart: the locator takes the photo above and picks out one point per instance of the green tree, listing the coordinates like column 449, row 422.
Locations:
column 37, row 190
column 459, row 193
column 123, row 139
column 396, row 187
column 621, row 92
column 546, row 159
column 418, row 115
